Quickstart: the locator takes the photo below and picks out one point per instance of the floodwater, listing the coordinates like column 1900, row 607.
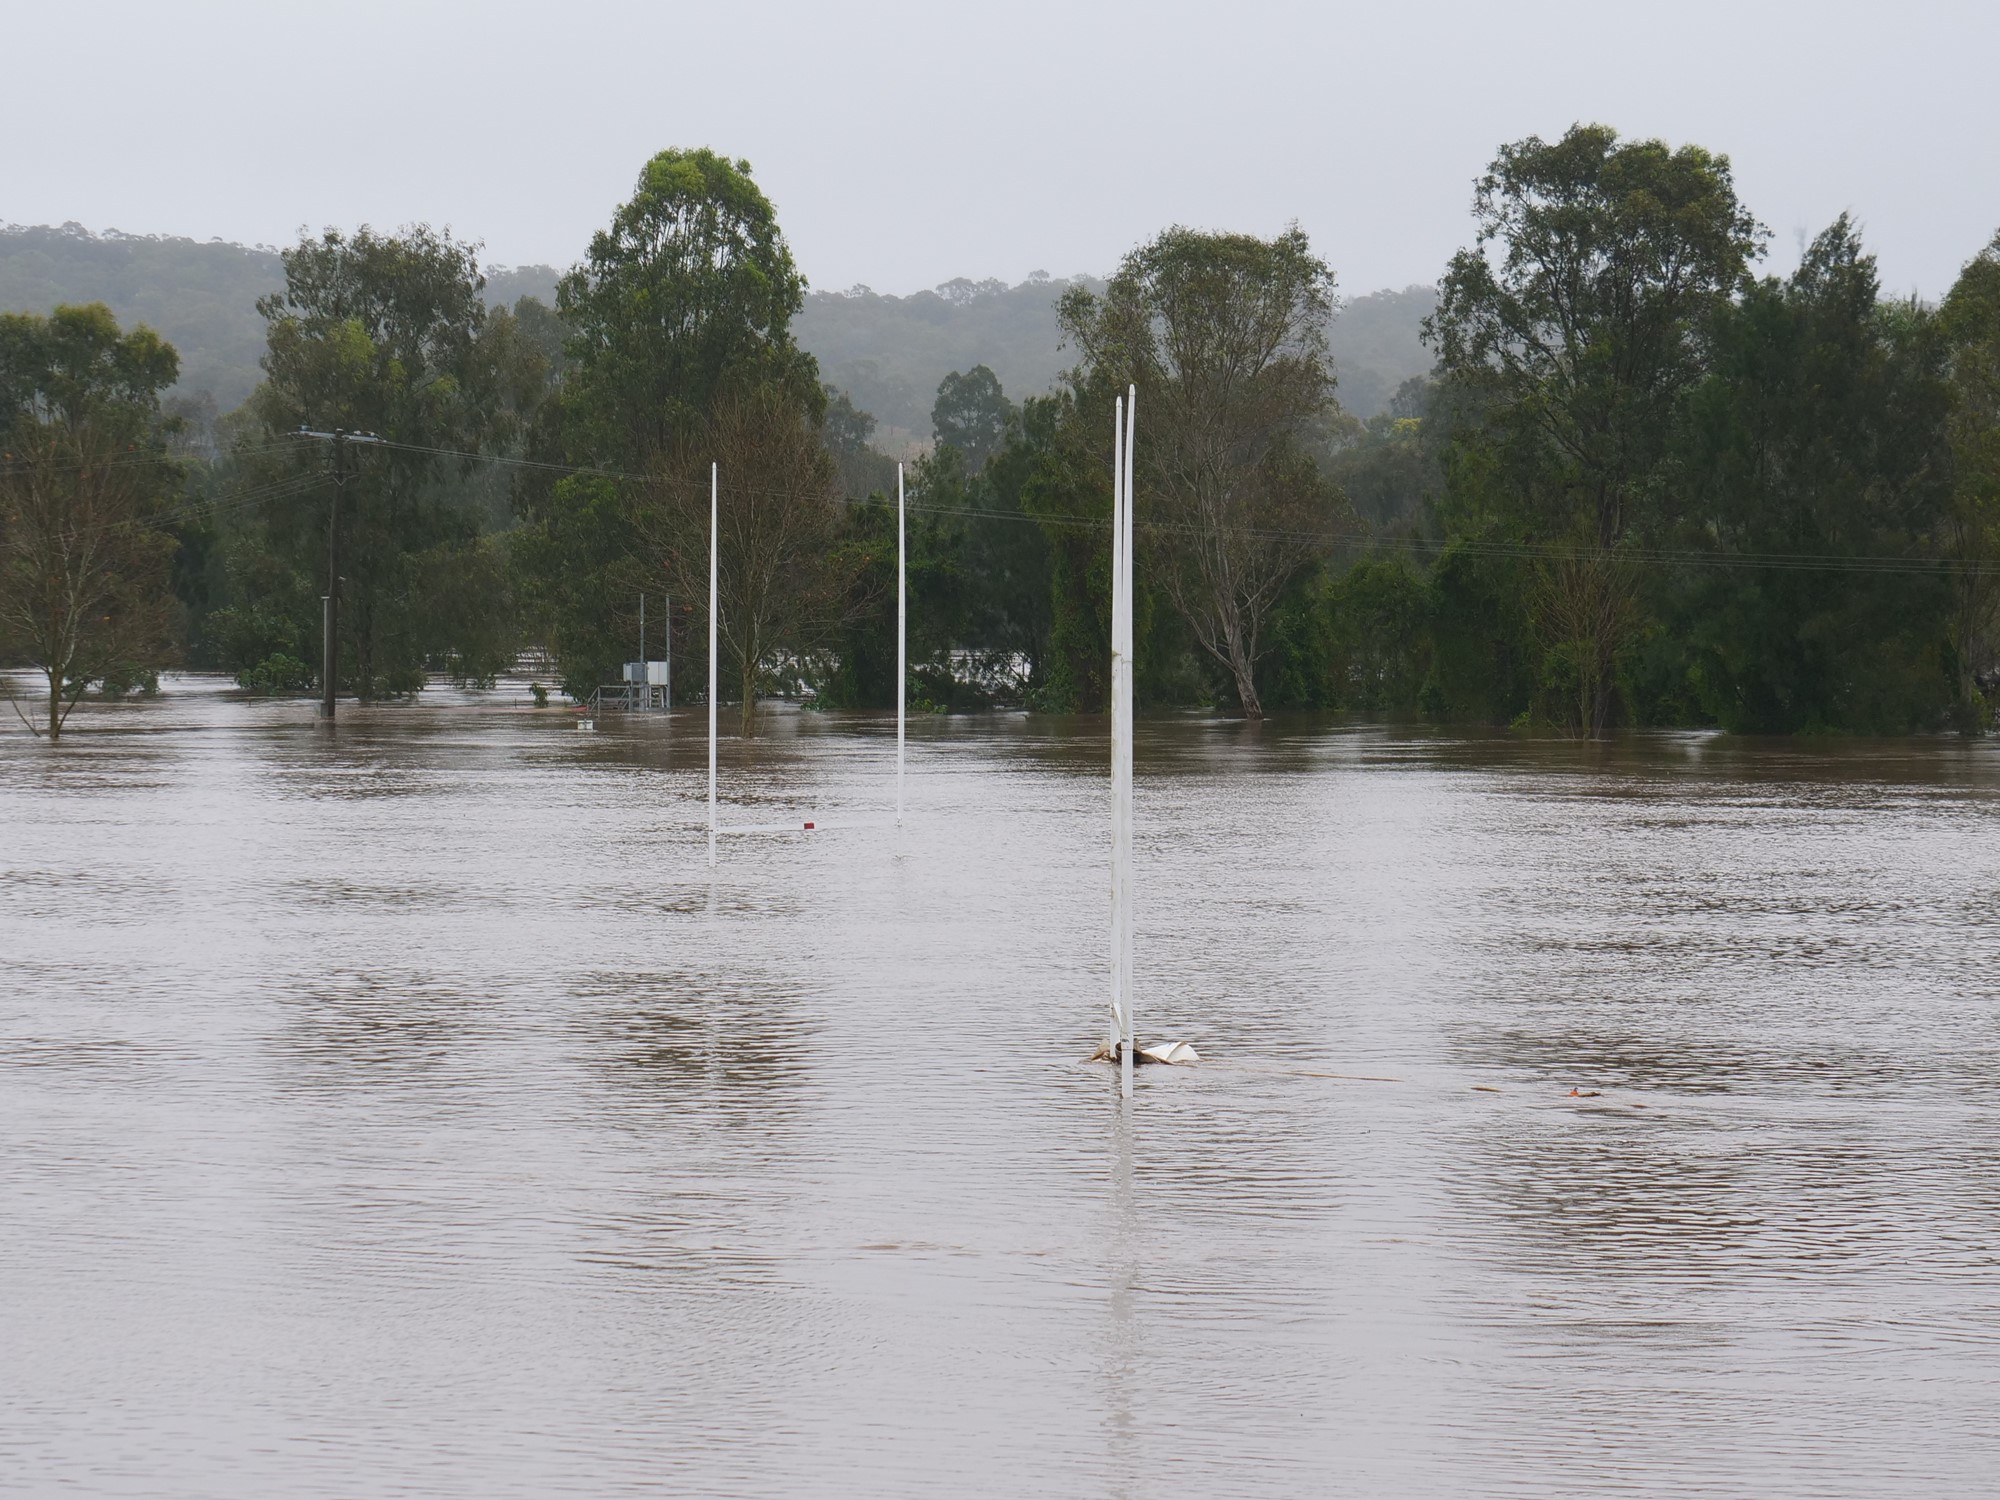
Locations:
column 408, row 1111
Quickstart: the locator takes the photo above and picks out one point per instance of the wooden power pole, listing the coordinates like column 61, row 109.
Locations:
column 329, row 670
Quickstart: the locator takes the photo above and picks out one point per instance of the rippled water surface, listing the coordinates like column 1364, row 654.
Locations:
column 406, row 1110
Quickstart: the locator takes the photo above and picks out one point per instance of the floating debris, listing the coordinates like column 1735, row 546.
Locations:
column 1171, row 1053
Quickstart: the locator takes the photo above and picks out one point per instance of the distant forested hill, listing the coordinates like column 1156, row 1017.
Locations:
column 200, row 295
column 889, row 353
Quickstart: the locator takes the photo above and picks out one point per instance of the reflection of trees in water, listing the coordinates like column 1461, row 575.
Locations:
column 381, row 1031
column 704, row 1077
column 733, row 1047
column 1617, row 1187
column 1605, row 1194
column 1606, row 1053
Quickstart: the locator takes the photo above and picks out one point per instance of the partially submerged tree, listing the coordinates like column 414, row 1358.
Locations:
column 1971, row 324
column 1817, row 438
column 687, row 295
column 1225, row 337
column 388, row 334
column 781, row 576
column 85, row 486
column 1578, row 316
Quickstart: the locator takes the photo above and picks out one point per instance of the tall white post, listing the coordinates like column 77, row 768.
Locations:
column 1126, row 693
column 668, row 600
column 902, row 638
column 1118, row 997
column 715, row 593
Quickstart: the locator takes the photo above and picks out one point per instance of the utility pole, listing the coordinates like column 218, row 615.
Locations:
column 329, row 674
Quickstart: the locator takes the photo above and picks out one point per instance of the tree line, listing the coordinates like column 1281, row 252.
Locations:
column 1643, row 485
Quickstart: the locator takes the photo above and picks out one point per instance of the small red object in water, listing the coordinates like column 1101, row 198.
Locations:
column 808, row 827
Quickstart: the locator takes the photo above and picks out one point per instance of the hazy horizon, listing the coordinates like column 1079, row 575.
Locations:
column 904, row 146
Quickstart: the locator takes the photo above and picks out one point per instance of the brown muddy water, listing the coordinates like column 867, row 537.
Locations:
column 406, row 1111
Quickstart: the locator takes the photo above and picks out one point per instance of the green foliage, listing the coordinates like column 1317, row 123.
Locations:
column 1639, row 487
column 388, row 335
column 76, row 366
column 892, row 353
column 978, row 589
column 682, row 306
column 973, row 415
column 201, row 297
column 1970, row 531
column 847, row 429
column 277, row 673
column 692, row 285
column 1067, row 490
column 568, row 559
column 1225, row 334
column 888, row 352
column 86, row 486
column 1577, row 320
column 1484, row 661
column 1819, row 434
column 1393, row 469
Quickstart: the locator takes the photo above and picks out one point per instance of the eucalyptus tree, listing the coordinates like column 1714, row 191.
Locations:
column 1814, row 461
column 86, row 493
column 691, row 288
column 684, row 300
column 1225, row 337
column 1971, row 323
column 778, row 528
column 973, row 415
column 1578, row 316
column 386, row 334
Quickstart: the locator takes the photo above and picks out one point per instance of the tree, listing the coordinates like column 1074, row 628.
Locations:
column 683, row 303
column 85, row 491
column 973, row 415
column 1225, row 337
column 386, row 334
column 863, row 470
column 1970, row 320
column 1578, row 315
column 691, row 288
column 778, row 522
column 1389, row 468
column 1813, row 461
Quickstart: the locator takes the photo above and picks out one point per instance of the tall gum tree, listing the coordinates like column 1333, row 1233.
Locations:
column 1971, row 324
column 1225, row 337
column 387, row 334
column 780, row 572
column 684, row 301
column 1578, row 317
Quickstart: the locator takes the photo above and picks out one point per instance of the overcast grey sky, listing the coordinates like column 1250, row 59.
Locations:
column 904, row 144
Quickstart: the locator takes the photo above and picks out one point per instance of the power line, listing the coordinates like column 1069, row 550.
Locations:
column 1518, row 550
